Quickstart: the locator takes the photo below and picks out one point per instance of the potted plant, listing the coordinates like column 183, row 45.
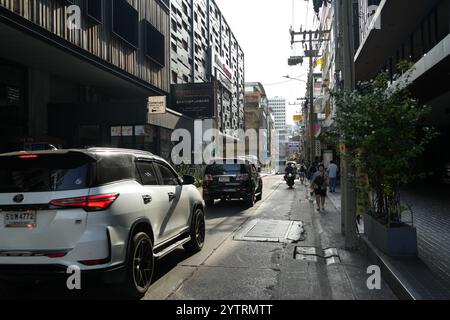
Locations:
column 380, row 125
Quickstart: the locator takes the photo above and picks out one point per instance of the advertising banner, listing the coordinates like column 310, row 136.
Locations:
column 195, row 100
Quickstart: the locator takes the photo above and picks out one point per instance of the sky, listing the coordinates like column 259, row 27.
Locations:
column 261, row 28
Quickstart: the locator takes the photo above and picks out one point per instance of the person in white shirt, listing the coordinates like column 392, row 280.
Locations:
column 332, row 175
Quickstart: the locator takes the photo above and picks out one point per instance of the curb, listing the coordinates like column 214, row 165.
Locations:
column 399, row 286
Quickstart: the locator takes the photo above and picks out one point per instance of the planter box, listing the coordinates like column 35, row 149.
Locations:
column 393, row 241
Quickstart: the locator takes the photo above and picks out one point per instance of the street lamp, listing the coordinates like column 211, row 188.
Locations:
column 291, row 78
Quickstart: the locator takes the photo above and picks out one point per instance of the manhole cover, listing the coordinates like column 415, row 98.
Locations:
column 328, row 256
column 270, row 231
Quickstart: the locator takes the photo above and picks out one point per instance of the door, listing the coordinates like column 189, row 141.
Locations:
column 177, row 219
column 154, row 203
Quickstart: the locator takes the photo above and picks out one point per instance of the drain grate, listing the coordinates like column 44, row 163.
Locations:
column 328, row 256
column 260, row 230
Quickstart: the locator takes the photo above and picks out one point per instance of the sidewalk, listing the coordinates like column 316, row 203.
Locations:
column 258, row 263
column 409, row 278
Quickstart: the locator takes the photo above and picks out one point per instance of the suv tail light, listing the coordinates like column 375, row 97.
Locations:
column 209, row 177
column 90, row 203
column 242, row 177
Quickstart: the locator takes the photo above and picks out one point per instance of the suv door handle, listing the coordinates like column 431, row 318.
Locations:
column 147, row 199
column 171, row 196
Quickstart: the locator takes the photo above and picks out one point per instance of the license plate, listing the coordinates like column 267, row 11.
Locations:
column 229, row 190
column 22, row 219
column 224, row 179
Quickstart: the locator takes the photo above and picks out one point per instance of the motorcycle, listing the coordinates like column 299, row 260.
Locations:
column 290, row 180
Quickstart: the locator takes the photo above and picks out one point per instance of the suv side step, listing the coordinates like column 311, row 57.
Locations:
column 166, row 251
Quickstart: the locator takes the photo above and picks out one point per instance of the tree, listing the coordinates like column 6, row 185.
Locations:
column 380, row 124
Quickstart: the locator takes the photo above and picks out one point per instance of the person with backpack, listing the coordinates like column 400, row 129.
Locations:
column 302, row 173
column 319, row 183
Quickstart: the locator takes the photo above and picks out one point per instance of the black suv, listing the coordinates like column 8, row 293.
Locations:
column 232, row 179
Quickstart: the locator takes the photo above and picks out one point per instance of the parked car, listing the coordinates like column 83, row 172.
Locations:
column 446, row 173
column 111, row 212
column 232, row 179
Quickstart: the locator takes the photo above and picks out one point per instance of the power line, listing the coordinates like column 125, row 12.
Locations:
column 278, row 83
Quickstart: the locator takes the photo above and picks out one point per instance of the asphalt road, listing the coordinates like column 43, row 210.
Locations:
column 222, row 221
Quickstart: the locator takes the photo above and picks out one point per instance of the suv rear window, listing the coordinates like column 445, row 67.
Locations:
column 219, row 169
column 44, row 173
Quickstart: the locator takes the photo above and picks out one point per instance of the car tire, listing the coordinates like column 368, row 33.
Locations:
column 197, row 232
column 250, row 201
column 140, row 258
column 260, row 192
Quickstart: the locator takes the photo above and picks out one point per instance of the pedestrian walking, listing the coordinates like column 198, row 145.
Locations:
column 319, row 184
column 302, row 173
column 332, row 175
column 311, row 171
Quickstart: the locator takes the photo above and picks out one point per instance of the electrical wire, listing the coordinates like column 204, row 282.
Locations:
column 277, row 83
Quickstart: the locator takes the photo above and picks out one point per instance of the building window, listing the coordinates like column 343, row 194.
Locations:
column 125, row 22
column 174, row 77
column 94, row 10
column 174, row 25
column 155, row 45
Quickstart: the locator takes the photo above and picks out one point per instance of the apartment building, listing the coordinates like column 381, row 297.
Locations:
column 205, row 50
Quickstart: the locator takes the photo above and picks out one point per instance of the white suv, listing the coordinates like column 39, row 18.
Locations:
column 110, row 211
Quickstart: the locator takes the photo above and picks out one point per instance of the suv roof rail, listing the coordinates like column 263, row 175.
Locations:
column 135, row 151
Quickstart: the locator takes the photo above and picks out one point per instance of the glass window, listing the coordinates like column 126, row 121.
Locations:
column 220, row 169
column 44, row 173
column 147, row 173
column 168, row 177
column 112, row 168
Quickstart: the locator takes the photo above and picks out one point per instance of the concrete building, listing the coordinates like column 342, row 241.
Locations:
column 258, row 117
column 278, row 106
column 81, row 75
column 205, row 50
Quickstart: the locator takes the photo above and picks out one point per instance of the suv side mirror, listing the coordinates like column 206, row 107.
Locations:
column 188, row 180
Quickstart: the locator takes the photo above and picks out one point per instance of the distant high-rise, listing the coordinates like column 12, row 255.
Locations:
column 278, row 106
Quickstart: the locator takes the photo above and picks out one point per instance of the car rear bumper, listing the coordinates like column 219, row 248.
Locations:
column 14, row 272
column 232, row 194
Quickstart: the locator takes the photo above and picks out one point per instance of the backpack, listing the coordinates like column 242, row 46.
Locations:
column 319, row 181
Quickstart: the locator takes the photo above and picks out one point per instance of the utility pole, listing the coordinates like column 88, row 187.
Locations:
column 348, row 196
column 313, row 37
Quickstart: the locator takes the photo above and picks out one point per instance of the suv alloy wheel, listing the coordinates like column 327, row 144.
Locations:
column 140, row 266
column 197, row 232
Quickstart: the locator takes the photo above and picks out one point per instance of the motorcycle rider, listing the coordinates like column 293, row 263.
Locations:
column 290, row 169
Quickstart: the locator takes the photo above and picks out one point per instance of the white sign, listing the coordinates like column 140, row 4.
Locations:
column 139, row 131
column 127, row 131
column 116, row 131
column 157, row 105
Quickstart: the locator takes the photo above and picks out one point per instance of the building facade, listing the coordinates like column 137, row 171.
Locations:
column 205, row 50
column 278, row 106
column 258, row 117
column 79, row 73
column 421, row 36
